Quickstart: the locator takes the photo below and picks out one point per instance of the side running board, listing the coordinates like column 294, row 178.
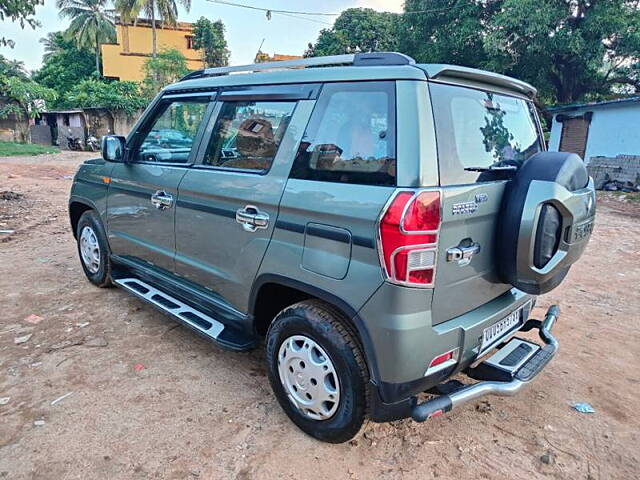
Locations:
column 172, row 306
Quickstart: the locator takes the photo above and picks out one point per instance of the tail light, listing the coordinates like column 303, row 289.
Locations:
column 408, row 234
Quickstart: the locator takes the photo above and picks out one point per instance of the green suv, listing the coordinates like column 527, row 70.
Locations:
column 383, row 225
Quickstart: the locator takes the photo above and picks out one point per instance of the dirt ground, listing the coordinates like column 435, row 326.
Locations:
column 146, row 398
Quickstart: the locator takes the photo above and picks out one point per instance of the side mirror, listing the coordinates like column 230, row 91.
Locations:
column 113, row 148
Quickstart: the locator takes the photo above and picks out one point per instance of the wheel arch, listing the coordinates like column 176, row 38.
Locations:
column 272, row 293
column 77, row 206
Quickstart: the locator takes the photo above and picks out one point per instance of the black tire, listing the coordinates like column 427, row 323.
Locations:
column 101, row 277
column 326, row 326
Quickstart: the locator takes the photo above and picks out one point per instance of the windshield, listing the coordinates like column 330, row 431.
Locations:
column 478, row 129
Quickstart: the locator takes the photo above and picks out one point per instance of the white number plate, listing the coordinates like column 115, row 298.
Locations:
column 500, row 328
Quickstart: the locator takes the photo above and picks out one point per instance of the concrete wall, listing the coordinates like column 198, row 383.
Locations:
column 624, row 169
column 124, row 123
column 99, row 122
column 12, row 129
column 614, row 130
column 64, row 132
column 10, row 133
column 41, row 134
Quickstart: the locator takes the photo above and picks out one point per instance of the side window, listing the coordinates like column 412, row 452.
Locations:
column 351, row 136
column 171, row 135
column 247, row 135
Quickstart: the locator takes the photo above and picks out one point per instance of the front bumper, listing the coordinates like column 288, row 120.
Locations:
column 524, row 374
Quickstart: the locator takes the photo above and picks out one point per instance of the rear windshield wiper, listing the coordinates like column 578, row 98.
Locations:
column 493, row 168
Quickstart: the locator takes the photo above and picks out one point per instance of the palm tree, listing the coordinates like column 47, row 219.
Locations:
column 164, row 10
column 52, row 44
column 91, row 24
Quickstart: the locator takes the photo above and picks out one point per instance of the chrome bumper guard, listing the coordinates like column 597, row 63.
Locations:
column 525, row 373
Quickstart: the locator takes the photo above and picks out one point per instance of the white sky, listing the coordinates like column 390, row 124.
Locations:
column 245, row 28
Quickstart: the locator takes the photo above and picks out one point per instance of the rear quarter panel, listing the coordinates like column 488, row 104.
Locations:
column 351, row 208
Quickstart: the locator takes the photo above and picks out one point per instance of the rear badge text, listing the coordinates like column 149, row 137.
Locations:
column 469, row 207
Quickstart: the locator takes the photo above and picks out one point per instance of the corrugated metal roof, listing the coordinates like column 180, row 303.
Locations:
column 63, row 111
column 575, row 106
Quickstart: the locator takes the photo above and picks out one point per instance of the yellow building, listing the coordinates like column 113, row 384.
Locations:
column 124, row 60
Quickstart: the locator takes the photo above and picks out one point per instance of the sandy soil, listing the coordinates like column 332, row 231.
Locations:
column 150, row 399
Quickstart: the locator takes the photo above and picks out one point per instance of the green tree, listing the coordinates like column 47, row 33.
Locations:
column 164, row 10
column 358, row 30
column 26, row 99
column 113, row 96
column 64, row 65
column 571, row 50
column 21, row 11
column 91, row 24
column 12, row 68
column 167, row 67
column 446, row 31
column 208, row 36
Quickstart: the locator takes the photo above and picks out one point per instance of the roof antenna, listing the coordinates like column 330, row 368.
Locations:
column 259, row 52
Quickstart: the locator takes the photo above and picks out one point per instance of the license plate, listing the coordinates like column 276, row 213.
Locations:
column 581, row 232
column 499, row 329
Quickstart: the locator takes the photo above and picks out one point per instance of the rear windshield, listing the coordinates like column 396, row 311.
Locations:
column 475, row 128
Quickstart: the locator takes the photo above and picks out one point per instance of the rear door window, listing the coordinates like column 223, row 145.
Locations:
column 351, row 135
column 247, row 134
column 475, row 128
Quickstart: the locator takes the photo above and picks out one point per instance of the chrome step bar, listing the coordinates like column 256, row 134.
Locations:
column 526, row 373
column 174, row 307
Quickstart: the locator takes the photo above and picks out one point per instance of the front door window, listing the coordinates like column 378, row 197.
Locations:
column 171, row 135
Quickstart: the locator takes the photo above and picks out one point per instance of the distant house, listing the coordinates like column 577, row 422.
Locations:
column 53, row 126
column 262, row 57
column 124, row 59
column 601, row 129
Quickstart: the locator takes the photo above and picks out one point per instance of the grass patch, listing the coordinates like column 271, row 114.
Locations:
column 10, row 149
column 633, row 197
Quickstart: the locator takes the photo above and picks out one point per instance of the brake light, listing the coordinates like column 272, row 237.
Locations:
column 408, row 234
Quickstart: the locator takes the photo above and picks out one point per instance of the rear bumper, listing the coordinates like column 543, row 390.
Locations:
column 525, row 374
column 403, row 338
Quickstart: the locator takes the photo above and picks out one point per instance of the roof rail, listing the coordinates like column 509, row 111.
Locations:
column 357, row 60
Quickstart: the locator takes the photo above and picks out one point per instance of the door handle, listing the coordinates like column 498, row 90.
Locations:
column 463, row 254
column 251, row 218
column 162, row 200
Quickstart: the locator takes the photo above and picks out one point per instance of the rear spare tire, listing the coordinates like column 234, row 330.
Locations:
column 546, row 218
